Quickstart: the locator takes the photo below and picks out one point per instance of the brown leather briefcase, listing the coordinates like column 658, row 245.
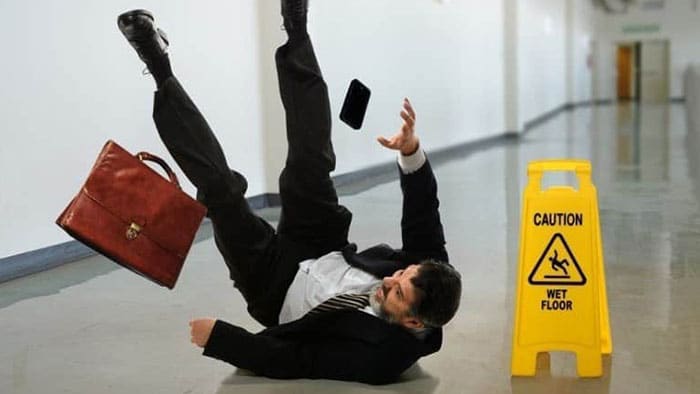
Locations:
column 134, row 216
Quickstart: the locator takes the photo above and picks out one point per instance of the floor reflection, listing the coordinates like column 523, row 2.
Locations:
column 647, row 172
column 414, row 380
column 642, row 142
column 546, row 382
column 84, row 329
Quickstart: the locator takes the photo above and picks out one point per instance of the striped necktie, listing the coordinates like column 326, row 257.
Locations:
column 342, row 301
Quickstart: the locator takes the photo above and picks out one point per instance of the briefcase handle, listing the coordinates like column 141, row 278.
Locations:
column 145, row 156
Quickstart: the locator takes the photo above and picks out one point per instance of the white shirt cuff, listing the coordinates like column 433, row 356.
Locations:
column 412, row 163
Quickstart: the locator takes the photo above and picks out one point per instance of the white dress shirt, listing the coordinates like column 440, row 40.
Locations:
column 328, row 276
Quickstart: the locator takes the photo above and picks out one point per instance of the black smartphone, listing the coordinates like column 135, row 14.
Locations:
column 355, row 104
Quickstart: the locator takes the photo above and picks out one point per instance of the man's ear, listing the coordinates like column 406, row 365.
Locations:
column 412, row 322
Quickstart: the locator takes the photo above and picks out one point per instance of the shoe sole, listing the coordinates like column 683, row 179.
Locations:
column 133, row 13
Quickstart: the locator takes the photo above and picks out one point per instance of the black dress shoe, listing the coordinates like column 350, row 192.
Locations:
column 139, row 28
column 294, row 14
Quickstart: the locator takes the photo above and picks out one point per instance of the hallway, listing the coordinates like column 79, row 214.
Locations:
column 93, row 327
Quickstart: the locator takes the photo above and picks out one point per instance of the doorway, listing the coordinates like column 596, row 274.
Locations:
column 643, row 71
column 628, row 65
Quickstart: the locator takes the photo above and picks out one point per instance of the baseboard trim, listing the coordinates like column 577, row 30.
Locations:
column 17, row 266
column 537, row 121
column 43, row 259
column 590, row 103
column 264, row 200
column 363, row 179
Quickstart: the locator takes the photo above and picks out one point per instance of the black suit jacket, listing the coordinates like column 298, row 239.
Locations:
column 349, row 345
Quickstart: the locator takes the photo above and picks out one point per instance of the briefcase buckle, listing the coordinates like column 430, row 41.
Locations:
column 133, row 231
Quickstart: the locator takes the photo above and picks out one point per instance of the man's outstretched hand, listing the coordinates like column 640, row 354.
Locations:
column 200, row 330
column 405, row 140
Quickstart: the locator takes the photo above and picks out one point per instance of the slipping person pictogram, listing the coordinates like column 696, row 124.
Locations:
column 558, row 265
column 562, row 269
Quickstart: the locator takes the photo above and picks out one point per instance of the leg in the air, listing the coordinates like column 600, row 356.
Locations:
column 310, row 214
column 247, row 242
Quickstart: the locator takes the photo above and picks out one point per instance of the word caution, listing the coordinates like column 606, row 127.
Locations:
column 558, row 219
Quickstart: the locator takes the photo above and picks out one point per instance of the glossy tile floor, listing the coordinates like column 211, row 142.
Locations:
column 90, row 327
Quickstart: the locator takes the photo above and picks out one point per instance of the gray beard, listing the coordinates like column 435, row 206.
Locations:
column 378, row 307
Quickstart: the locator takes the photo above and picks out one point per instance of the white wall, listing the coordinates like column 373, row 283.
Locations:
column 581, row 51
column 605, row 70
column 542, row 57
column 446, row 58
column 547, row 45
column 511, row 94
column 71, row 81
column 678, row 22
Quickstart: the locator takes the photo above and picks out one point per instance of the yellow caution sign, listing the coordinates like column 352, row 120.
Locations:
column 560, row 303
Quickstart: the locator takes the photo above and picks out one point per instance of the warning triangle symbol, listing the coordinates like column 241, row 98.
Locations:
column 557, row 265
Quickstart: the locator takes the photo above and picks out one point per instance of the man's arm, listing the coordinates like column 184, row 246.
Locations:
column 421, row 229
column 313, row 358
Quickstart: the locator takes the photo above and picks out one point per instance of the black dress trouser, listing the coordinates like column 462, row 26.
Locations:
column 262, row 262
